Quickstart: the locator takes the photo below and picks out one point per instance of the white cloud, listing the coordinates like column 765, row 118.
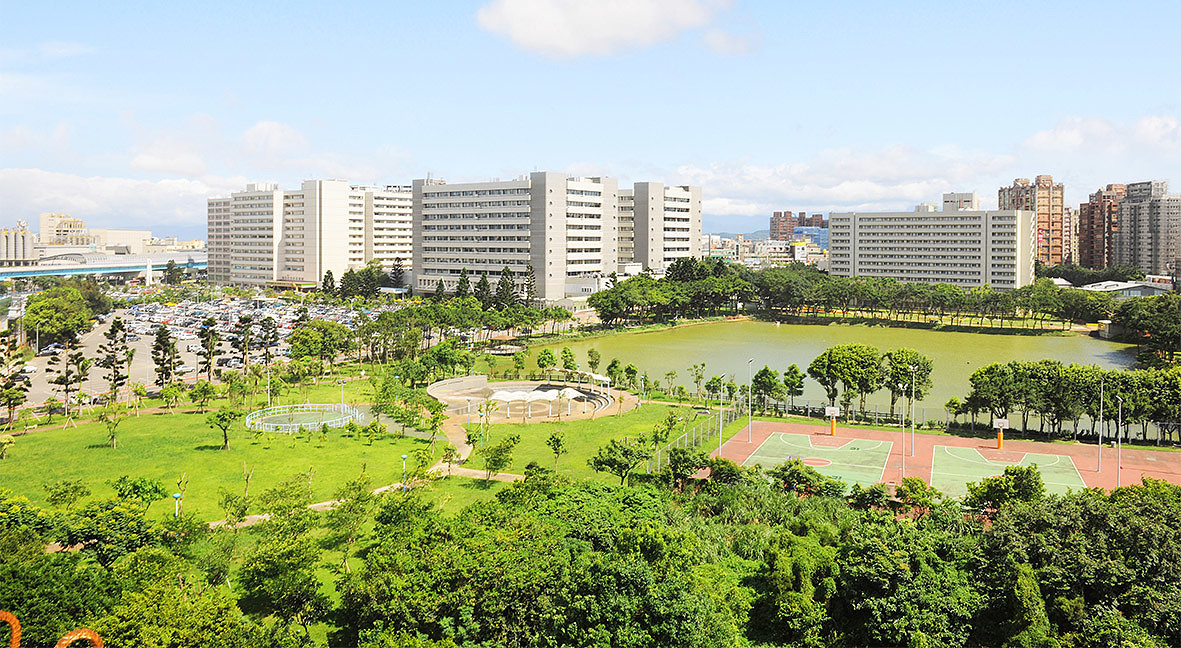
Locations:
column 61, row 49
column 570, row 28
column 105, row 201
column 270, row 141
column 720, row 41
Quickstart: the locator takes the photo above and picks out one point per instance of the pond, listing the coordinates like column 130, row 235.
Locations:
column 726, row 346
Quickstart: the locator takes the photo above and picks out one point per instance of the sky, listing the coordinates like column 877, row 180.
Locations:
column 131, row 114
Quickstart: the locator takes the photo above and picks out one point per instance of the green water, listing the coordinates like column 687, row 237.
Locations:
column 724, row 347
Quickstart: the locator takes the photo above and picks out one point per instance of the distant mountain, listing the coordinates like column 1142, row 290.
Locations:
column 750, row 236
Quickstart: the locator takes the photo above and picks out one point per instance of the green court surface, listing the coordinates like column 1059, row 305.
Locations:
column 858, row 461
column 955, row 467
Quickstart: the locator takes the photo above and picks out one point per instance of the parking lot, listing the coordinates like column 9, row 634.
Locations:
column 183, row 321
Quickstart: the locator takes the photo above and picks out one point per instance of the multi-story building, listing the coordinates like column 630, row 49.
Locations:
column 1149, row 234
column 665, row 224
column 967, row 248
column 564, row 229
column 817, row 235
column 267, row 236
column 1045, row 199
column 1098, row 221
column 957, row 201
column 782, row 223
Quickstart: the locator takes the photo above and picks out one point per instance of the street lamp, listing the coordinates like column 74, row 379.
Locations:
column 902, row 388
column 1099, row 459
column 912, row 370
column 469, row 412
column 750, row 420
column 1119, row 447
column 341, row 383
column 403, row 472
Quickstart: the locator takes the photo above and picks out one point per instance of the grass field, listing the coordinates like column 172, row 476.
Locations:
column 164, row 446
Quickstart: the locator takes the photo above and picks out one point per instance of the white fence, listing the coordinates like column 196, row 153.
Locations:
column 700, row 433
column 335, row 415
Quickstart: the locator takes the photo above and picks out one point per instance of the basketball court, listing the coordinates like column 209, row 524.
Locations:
column 865, row 457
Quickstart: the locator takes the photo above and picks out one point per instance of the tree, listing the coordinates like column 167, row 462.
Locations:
column 328, row 284
column 244, row 339
column 793, row 384
column 824, row 371
column 138, row 489
column 498, row 457
column 13, row 388
column 483, row 292
column 450, row 457
column 172, row 274
column 569, row 362
column 58, row 314
column 111, row 416
column 398, row 273
column 172, row 393
column 620, row 457
column 896, row 374
column 765, row 385
column 353, row 505
column 546, row 361
column 65, row 493
column 112, row 355
column 281, row 575
column 530, row 285
column 557, row 445
column 70, row 369
column 593, row 358
column 1017, row 484
column 164, row 356
column 222, row 420
column 463, row 286
column 319, row 338
column 440, row 291
column 7, row 441
column 697, row 371
column 268, row 337
column 683, row 463
column 506, row 290
column 210, row 345
column 202, row 392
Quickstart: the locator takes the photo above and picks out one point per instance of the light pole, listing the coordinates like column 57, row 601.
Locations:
column 482, row 428
column 902, row 388
column 469, row 412
column 912, row 370
column 1119, row 447
column 403, row 472
column 750, row 420
column 1099, row 459
column 341, row 383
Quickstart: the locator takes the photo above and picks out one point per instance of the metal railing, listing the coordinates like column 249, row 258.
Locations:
column 344, row 414
column 701, row 433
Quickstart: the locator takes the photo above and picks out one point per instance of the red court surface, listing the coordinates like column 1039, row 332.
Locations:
column 1135, row 463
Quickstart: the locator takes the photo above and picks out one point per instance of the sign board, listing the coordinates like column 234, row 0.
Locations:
column 1000, row 424
column 832, row 412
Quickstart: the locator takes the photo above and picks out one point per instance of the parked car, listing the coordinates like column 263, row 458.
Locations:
column 193, row 348
column 184, row 369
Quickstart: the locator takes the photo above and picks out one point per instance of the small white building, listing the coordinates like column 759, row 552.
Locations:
column 1126, row 289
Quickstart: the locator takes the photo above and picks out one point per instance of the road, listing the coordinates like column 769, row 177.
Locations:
column 142, row 370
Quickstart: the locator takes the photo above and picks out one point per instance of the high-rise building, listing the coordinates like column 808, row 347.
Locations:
column 781, row 226
column 665, row 224
column 961, row 201
column 1098, row 221
column 1149, row 233
column 1045, row 199
column 967, row 248
column 267, row 236
column 782, row 223
column 570, row 231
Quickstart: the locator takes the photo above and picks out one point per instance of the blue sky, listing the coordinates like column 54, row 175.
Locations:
column 131, row 114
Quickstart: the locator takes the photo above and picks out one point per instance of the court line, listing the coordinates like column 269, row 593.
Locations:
column 756, row 450
column 1077, row 472
column 848, row 446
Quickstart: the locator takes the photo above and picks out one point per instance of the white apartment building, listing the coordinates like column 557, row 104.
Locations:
column 967, row 248
column 566, row 229
column 267, row 236
column 659, row 224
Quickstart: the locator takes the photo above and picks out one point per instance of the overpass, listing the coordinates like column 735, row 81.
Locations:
column 106, row 264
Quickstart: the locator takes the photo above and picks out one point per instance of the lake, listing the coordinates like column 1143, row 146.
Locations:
column 726, row 346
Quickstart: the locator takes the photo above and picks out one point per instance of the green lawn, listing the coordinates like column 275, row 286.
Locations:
column 164, row 446
column 583, row 439
column 453, row 494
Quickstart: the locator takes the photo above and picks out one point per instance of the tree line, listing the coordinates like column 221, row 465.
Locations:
column 741, row 556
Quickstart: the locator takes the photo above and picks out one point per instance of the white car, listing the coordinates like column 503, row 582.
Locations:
column 193, row 348
column 184, row 369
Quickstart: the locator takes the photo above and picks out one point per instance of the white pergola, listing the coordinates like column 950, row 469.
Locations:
column 593, row 379
column 528, row 398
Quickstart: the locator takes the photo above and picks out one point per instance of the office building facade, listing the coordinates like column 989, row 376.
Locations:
column 1149, row 233
column 1098, row 221
column 664, row 225
column 267, row 236
column 1045, row 199
column 783, row 223
column 967, row 248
